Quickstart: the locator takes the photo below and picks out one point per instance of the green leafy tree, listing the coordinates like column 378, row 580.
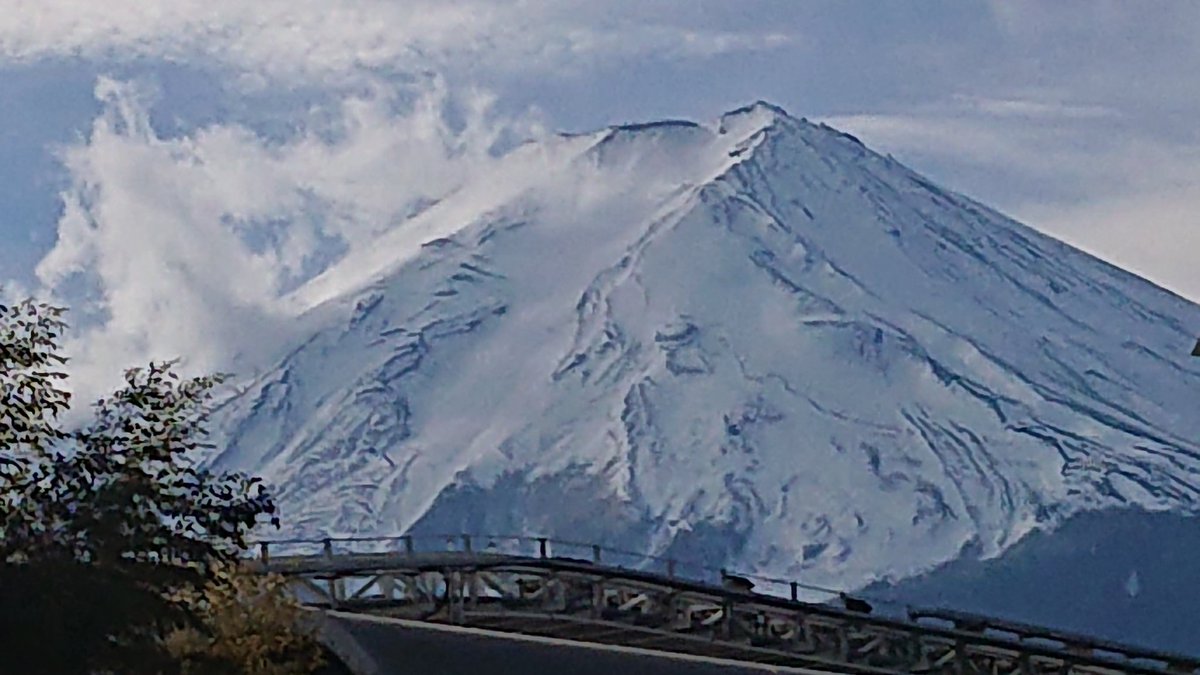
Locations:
column 104, row 525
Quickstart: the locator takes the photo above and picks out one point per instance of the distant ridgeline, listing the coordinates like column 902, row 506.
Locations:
column 1127, row 576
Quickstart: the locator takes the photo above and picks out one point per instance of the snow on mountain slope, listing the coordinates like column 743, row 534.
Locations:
column 755, row 341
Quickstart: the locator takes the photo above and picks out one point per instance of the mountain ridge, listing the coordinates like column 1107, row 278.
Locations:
column 755, row 340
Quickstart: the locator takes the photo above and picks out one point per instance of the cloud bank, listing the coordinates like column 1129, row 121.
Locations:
column 320, row 40
column 188, row 246
column 188, row 243
column 183, row 238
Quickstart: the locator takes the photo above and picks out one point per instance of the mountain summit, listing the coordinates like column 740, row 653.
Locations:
column 754, row 340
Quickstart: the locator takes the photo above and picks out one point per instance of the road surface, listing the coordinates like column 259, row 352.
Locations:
column 385, row 646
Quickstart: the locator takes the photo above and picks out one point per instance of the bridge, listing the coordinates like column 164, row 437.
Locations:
column 589, row 594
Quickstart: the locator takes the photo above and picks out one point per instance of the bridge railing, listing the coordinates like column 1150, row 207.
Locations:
column 357, row 550
column 557, row 548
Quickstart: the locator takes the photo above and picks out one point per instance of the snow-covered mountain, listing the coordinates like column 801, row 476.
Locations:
column 755, row 341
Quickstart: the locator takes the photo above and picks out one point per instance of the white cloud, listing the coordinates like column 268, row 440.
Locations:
column 1154, row 233
column 331, row 39
column 1003, row 149
column 1032, row 109
column 941, row 135
column 1078, row 148
column 12, row 292
column 1054, row 121
column 188, row 245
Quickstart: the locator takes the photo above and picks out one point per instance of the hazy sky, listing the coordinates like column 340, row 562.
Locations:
column 137, row 137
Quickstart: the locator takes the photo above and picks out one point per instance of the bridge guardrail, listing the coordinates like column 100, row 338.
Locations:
column 552, row 547
column 540, row 549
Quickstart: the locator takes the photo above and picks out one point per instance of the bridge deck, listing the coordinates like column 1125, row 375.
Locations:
column 423, row 647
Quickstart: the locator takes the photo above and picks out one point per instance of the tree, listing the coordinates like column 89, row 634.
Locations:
column 30, row 403
column 248, row 624
column 103, row 527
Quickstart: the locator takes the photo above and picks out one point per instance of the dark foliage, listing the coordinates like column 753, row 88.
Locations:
column 102, row 525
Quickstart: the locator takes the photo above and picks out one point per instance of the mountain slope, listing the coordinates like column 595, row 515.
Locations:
column 1121, row 576
column 756, row 341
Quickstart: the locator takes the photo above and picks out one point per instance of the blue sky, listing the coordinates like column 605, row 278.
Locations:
column 135, row 137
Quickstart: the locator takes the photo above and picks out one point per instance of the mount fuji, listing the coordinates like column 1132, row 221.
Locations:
column 753, row 341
